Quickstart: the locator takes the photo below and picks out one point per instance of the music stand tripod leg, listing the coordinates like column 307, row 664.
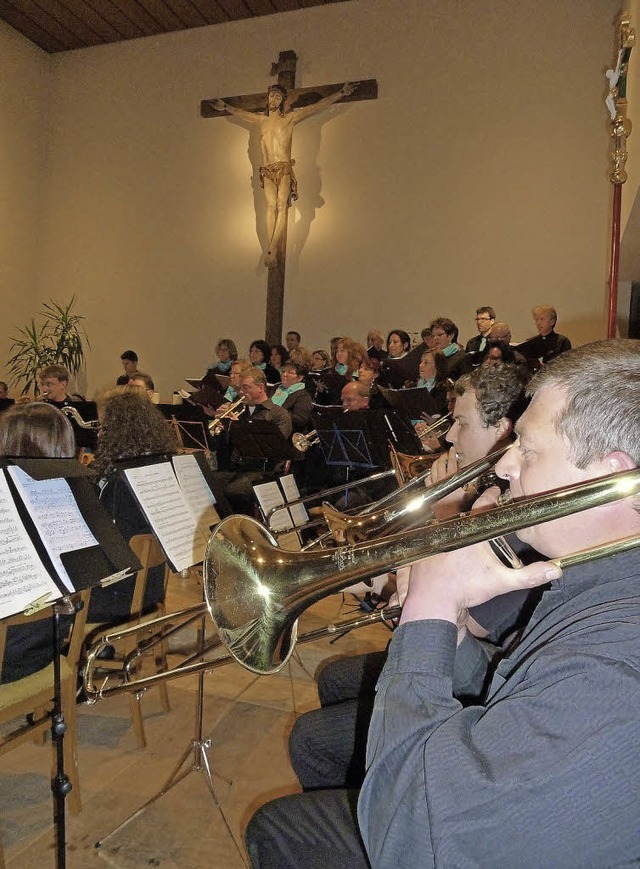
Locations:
column 200, row 762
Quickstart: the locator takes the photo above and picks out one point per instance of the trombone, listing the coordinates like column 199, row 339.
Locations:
column 256, row 591
column 380, row 519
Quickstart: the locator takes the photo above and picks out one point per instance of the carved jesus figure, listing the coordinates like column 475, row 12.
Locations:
column 276, row 174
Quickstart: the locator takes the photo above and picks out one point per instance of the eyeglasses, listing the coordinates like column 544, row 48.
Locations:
column 483, row 318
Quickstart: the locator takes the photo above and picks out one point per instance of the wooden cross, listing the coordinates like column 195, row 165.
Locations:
column 302, row 102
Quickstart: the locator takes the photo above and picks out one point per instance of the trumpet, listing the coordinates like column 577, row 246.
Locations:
column 255, row 590
column 232, row 412
column 302, row 442
column 74, row 414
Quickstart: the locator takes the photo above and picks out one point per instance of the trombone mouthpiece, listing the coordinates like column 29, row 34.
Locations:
column 504, row 498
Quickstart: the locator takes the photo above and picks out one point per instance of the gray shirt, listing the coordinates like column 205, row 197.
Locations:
column 547, row 772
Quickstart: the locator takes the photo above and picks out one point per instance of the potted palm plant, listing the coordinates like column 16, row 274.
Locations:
column 58, row 338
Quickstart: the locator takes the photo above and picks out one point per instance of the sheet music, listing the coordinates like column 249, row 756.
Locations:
column 57, row 517
column 157, row 490
column 196, row 491
column 269, row 496
column 23, row 577
column 291, row 493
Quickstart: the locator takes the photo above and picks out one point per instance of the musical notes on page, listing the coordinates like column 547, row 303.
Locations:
column 56, row 515
column 196, row 492
column 159, row 495
column 23, row 578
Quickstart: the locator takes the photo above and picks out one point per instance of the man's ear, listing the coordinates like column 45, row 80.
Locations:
column 504, row 427
column 618, row 462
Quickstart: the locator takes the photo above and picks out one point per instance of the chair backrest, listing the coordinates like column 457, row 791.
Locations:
column 41, row 620
column 150, row 554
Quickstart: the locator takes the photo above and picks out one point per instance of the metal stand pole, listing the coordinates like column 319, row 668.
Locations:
column 60, row 784
column 200, row 762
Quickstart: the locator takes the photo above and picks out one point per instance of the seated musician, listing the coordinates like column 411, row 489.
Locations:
column 129, row 360
column 278, row 356
column 227, row 353
column 375, row 345
column 349, row 355
column 401, row 365
column 293, row 395
column 434, row 377
column 33, row 431
column 54, row 382
column 320, row 360
column 368, row 375
column 548, row 343
column 327, row 746
column 133, row 432
column 355, row 396
column 246, row 472
column 524, row 776
column 142, row 381
column 259, row 356
column 444, row 333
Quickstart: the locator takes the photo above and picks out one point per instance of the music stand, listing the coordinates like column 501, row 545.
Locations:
column 410, row 403
column 262, row 440
column 111, row 557
column 191, row 423
column 199, row 747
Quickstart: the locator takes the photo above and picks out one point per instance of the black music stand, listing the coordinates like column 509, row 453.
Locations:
column 192, row 422
column 198, row 746
column 410, row 403
column 262, row 441
column 86, row 568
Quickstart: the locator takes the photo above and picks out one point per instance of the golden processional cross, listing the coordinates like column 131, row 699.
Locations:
column 276, row 114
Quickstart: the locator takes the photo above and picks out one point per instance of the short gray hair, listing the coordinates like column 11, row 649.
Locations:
column 602, row 384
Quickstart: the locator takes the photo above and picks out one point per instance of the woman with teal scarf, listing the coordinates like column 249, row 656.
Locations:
column 293, row 395
column 259, row 355
column 227, row 353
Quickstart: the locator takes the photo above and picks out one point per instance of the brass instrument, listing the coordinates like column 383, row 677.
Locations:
column 407, row 466
column 256, row 591
column 232, row 412
column 256, row 614
column 74, row 414
column 302, row 442
column 407, row 513
column 437, row 429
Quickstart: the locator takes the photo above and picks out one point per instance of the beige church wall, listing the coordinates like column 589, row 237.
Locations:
column 21, row 174
column 479, row 176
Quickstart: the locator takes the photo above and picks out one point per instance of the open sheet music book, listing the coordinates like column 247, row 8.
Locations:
column 278, row 494
column 179, row 506
column 49, row 546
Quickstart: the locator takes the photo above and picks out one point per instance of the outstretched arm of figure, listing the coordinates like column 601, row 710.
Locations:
column 221, row 106
column 346, row 90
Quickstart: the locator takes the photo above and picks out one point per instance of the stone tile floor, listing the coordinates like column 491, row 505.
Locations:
column 247, row 718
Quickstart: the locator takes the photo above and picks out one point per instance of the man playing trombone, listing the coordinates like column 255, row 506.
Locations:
column 545, row 771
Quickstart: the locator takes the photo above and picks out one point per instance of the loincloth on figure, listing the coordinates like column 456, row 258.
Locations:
column 275, row 172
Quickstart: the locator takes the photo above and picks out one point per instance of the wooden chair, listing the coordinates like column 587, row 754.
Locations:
column 148, row 550
column 30, row 699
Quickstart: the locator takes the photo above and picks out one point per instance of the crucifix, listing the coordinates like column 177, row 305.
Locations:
column 285, row 106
